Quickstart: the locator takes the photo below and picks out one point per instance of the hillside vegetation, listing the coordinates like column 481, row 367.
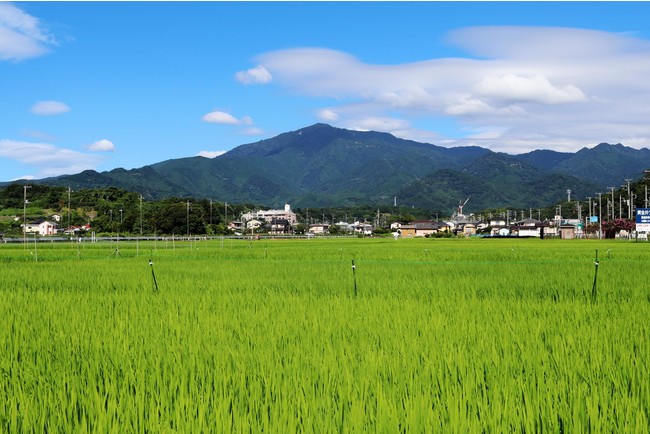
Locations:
column 323, row 166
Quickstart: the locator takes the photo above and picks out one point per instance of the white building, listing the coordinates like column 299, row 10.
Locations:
column 272, row 214
column 41, row 227
column 320, row 228
column 254, row 224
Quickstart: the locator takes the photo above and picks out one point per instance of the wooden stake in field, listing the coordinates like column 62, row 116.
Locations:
column 153, row 275
column 594, row 293
column 354, row 276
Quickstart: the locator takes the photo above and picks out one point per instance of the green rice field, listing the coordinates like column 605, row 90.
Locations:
column 284, row 336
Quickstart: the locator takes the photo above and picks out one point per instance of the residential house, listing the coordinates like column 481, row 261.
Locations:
column 499, row 226
column 361, row 228
column 422, row 228
column 236, row 226
column 482, row 225
column 344, row 226
column 319, row 228
column 254, row 224
column 73, row 230
column 469, row 229
column 280, row 226
column 529, row 227
column 41, row 227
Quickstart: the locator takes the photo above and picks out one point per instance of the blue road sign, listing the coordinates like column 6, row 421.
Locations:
column 643, row 215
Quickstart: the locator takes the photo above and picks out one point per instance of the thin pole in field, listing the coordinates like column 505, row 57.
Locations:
column 354, row 276
column 153, row 275
column 594, row 293
column 25, row 187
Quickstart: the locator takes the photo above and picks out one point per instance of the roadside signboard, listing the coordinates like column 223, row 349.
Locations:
column 643, row 215
column 594, row 219
column 643, row 220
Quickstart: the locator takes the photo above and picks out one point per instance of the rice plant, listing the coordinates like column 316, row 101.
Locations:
column 473, row 336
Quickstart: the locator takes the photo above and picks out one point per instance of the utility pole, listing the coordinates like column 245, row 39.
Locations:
column 210, row 212
column 613, row 217
column 620, row 206
column 69, row 191
column 25, row 187
column 629, row 199
column 645, row 178
column 140, row 215
column 600, row 215
column 188, row 218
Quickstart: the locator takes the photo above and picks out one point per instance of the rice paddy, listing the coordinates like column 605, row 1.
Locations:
column 241, row 336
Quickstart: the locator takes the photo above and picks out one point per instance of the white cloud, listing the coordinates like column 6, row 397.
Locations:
column 49, row 108
column 571, row 87
column 474, row 107
column 535, row 88
column 488, row 134
column 327, row 115
column 101, row 146
column 378, row 124
column 224, row 118
column 48, row 159
column 21, row 35
column 219, row 117
column 257, row 75
column 210, row 154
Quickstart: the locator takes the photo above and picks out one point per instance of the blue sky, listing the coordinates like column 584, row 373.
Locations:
column 101, row 85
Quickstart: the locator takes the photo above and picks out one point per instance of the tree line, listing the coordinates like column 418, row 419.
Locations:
column 112, row 210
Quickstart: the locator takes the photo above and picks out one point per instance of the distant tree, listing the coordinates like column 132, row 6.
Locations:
column 381, row 231
column 170, row 217
column 611, row 228
column 335, row 230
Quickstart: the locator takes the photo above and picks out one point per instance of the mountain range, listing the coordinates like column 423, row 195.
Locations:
column 320, row 165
